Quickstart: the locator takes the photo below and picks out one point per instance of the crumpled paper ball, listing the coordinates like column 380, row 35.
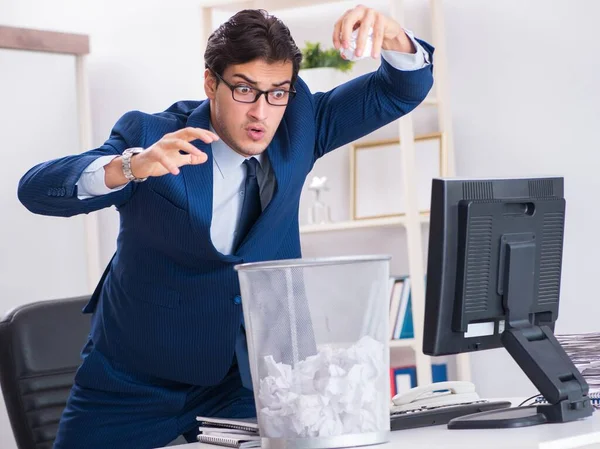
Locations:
column 335, row 392
column 348, row 53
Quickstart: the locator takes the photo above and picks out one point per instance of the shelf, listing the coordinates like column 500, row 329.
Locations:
column 236, row 5
column 359, row 224
column 403, row 343
column 429, row 101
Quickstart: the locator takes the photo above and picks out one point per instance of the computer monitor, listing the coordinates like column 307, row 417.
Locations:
column 493, row 280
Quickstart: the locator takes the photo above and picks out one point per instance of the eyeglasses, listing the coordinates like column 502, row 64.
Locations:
column 243, row 93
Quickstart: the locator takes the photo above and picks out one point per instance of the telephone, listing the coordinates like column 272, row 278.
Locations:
column 435, row 395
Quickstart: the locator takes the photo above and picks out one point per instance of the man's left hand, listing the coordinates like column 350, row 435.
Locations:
column 387, row 33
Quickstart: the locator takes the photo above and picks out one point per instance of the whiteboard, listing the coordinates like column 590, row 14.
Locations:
column 40, row 257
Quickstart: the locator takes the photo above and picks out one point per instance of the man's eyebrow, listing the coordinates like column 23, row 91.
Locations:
column 250, row 81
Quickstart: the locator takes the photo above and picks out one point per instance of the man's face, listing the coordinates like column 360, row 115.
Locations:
column 247, row 128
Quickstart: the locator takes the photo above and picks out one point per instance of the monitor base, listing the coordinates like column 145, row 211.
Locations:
column 500, row 419
column 518, row 417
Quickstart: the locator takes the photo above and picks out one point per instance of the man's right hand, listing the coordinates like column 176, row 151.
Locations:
column 163, row 157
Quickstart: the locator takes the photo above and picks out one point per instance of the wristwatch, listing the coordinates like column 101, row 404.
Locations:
column 126, row 163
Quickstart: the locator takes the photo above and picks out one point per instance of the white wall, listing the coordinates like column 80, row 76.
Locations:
column 41, row 258
column 524, row 84
column 523, row 78
column 524, row 96
column 315, row 24
column 144, row 55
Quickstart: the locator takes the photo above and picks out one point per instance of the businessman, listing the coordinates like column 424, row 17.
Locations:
column 201, row 187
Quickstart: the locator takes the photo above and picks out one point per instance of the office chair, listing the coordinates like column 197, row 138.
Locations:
column 40, row 346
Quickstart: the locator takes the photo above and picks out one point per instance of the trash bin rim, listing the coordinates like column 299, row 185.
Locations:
column 311, row 262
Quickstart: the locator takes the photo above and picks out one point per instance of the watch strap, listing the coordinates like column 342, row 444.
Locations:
column 126, row 164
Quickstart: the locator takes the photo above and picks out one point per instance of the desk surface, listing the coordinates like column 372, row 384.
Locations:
column 583, row 434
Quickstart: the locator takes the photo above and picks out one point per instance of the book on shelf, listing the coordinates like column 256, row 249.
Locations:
column 403, row 378
column 238, row 433
column 401, row 321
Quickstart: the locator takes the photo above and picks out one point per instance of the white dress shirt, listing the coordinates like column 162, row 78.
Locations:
column 229, row 174
column 229, row 171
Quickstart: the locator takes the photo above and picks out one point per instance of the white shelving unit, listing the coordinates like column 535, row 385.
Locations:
column 413, row 220
column 360, row 224
column 403, row 343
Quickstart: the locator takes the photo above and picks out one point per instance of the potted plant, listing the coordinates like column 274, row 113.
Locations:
column 321, row 69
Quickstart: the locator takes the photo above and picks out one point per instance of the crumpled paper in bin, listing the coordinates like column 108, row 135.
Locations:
column 331, row 393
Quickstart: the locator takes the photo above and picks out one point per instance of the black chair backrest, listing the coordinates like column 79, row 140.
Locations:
column 40, row 347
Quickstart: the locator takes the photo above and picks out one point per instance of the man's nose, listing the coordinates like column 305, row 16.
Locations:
column 259, row 109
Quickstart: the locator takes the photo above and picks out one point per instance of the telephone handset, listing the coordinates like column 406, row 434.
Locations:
column 435, row 395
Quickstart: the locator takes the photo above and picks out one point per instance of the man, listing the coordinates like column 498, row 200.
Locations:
column 202, row 187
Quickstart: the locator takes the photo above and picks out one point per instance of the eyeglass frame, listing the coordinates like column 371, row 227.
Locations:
column 291, row 92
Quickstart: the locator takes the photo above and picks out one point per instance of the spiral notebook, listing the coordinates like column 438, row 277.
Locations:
column 237, row 433
column 230, row 440
column 584, row 352
column 594, row 398
column 248, row 425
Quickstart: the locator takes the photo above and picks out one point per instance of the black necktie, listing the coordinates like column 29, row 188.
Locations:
column 251, row 207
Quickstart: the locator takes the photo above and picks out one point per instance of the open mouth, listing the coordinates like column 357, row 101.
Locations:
column 255, row 132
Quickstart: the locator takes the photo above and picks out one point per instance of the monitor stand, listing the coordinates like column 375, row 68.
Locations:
column 534, row 348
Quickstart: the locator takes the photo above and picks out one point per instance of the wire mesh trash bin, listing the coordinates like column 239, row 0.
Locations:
column 317, row 332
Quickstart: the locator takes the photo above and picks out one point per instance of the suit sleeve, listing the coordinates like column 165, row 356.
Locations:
column 50, row 188
column 362, row 105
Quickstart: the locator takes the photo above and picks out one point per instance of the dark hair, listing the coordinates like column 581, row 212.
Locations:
column 248, row 35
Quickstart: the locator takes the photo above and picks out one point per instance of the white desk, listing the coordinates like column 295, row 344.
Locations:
column 583, row 434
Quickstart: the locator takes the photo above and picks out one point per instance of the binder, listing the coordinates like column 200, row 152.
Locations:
column 395, row 298
column 439, row 372
column 403, row 378
column 403, row 311
column 401, row 320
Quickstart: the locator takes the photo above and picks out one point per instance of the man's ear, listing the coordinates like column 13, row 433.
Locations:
column 210, row 84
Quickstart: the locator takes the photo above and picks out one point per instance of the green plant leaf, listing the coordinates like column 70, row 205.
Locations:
column 313, row 56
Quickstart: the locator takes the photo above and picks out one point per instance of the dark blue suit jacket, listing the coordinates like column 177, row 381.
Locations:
column 168, row 305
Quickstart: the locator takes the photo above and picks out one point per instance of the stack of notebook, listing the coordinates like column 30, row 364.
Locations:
column 584, row 351
column 239, row 433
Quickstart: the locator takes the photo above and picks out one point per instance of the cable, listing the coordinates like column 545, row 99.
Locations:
column 529, row 399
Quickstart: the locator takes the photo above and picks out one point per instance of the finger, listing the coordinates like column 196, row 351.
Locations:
column 378, row 29
column 180, row 144
column 190, row 159
column 169, row 165
column 336, row 34
column 202, row 131
column 184, row 159
column 190, row 134
column 363, row 32
column 198, row 160
column 351, row 19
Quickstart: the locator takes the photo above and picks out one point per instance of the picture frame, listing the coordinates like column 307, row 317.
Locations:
column 377, row 187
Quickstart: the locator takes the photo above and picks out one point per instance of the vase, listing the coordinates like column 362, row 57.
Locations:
column 323, row 79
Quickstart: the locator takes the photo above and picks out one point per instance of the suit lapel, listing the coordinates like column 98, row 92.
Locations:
column 199, row 184
column 280, row 156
